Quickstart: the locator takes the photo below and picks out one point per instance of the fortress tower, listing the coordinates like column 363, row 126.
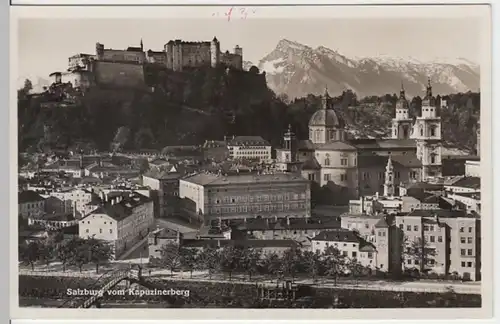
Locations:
column 427, row 133
column 238, row 50
column 99, row 51
column 402, row 123
column 214, row 52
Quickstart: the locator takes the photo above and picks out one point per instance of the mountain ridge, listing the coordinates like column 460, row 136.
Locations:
column 296, row 70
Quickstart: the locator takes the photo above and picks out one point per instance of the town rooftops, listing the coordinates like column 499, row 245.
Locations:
column 210, row 179
column 165, row 233
column 28, row 196
column 423, row 186
column 248, row 141
column 122, row 209
column 211, row 243
column 214, row 144
column 338, row 235
column 468, row 182
column 442, row 213
column 163, row 175
column 293, row 224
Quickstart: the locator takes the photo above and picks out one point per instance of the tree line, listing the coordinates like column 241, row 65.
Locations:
column 330, row 263
column 69, row 252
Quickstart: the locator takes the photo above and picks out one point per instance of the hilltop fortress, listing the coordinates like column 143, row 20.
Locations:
column 125, row 68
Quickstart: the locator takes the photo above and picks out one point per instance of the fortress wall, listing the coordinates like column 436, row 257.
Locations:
column 196, row 54
column 119, row 74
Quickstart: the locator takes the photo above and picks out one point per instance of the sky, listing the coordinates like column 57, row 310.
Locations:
column 44, row 45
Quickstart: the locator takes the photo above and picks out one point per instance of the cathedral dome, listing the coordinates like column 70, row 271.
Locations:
column 326, row 118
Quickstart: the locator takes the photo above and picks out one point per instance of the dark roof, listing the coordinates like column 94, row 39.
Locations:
column 468, row 182
column 424, row 197
column 305, row 145
column 294, row 223
column 339, row 235
column 335, row 146
column 155, row 52
column 28, row 196
column 204, row 179
column 422, row 186
column 124, row 208
column 383, row 144
column 311, row 164
column 381, row 223
column 248, row 140
column 443, row 213
column 242, row 243
column 398, row 161
column 134, row 49
column 163, row 175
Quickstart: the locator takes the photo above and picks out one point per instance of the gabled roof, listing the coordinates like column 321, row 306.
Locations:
column 337, row 235
column 28, row 196
column 382, row 223
column 311, row 164
column 122, row 209
column 468, row 182
column 398, row 161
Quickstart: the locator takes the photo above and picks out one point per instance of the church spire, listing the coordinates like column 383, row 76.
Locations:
column 142, row 45
column 402, row 92
column 429, row 88
column 326, row 99
column 389, row 179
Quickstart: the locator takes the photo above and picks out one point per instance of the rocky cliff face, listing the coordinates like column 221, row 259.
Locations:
column 296, row 70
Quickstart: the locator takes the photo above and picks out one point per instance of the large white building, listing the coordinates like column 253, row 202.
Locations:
column 249, row 148
column 122, row 221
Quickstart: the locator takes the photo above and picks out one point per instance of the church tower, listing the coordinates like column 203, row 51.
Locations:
column 427, row 133
column 290, row 144
column 402, row 123
column 389, row 179
column 326, row 125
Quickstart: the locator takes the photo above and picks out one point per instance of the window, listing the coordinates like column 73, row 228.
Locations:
column 432, row 239
column 431, row 262
column 327, row 161
column 310, row 177
column 398, row 175
column 431, row 228
column 462, row 251
column 354, row 254
column 461, row 229
column 462, row 240
column 408, row 261
column 87, row 230
column 469, row 264
column 463, row 264
column 413, row 175
column 110, row 231
column 343, row 161
column 469, row 251
column 417, row 261
column 415, row 228
column 381, row 175
column 470, row 229
column 370, row 255
column 408, row 227
column 433, row 158
column 326, row 177
column 426, row 228
column 401, row 226
column 469, row 240
column 440, row 239
column 343, row 177
column 344, row 253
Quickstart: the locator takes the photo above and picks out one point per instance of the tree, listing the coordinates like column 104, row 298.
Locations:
column 47, row 251
column 355, row 268
column 188, row 258
column 230, row 258
column 250, row 261
column 291, row 262
column 64, row 252
column 29, row 253
column 100, row 252
column 209, row 259
column 271, row 263
column 170, row 256
column 313, row 263
column 419, row 249
column 81, row 253
column 335, row 263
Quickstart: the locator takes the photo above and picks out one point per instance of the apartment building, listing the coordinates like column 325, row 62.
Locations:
column 122, row 221
column 449, row 241
column 249, row 148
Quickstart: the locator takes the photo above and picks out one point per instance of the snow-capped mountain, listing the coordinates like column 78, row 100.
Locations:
column 297, row 70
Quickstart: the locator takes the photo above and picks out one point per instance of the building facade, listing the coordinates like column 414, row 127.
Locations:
column 31, row 204
column 122, row 222
column 249, row 148
column 210, row 197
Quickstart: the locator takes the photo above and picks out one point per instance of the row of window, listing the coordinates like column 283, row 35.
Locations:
column 467, row 264
column 466, row 240
column 343, row 162
column 100, row 231
column 430, row 262
column 465, row 252
column 238, row 199
column 258, row 208
column 462, row 229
